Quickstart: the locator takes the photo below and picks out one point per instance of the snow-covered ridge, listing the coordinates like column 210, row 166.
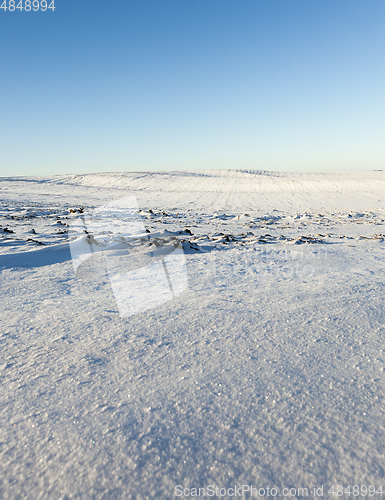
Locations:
column 217, row 180
column 235, row 190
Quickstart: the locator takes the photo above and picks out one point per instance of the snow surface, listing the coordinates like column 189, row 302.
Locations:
column 267, row 370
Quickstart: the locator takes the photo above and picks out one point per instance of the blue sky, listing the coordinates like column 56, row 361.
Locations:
column 131, row 85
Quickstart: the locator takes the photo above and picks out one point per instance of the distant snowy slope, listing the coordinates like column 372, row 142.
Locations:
column 217, row 189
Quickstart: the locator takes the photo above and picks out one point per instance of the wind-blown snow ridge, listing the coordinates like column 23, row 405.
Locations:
column 32, row 226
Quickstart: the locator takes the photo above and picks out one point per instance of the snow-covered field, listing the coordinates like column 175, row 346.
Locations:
column 267, row 370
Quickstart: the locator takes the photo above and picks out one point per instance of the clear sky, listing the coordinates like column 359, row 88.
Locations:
column 130, row 85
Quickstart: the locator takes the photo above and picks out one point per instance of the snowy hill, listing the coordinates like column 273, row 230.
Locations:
column 227, row 189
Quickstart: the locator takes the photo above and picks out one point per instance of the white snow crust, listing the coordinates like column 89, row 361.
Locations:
column 267, row 370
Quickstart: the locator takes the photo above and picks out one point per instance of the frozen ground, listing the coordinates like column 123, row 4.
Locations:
column 268, row 370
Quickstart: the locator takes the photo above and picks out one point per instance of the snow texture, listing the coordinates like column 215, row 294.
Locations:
column 265, row 368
